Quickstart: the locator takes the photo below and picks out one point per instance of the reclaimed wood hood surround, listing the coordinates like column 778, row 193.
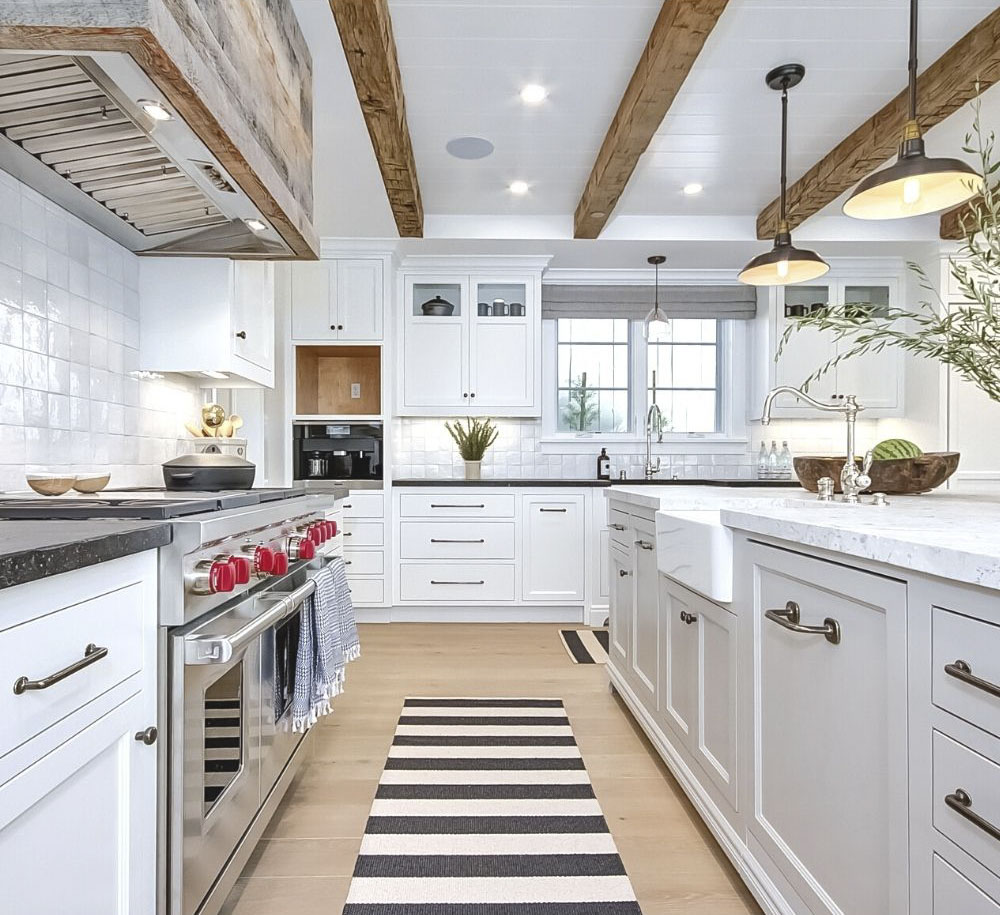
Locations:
column 238, row 72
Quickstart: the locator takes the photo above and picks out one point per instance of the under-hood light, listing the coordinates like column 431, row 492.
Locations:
column 256, row 225
column 156, row 110
column 219, row 376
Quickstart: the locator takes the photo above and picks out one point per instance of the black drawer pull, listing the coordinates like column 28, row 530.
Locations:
column 617, row 527
column 624, row 573
column 688, row 618
column 789, row 619
column 961, row 802
column 91, row 655
column 962, row 670
column 455, row 505
column 480, row 582
column 644, row 544
column 563, row 510
column 442, row 540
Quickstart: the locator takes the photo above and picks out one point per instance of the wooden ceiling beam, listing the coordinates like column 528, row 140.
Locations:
column 952, row 221
column 677, row 38
column 365, row 28
column 944, row 87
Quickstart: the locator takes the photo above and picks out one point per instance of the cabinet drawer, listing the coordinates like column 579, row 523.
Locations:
column 363, row 505
column 458, row 504
column 456, row 540
column 955, row 893
column 51, row 643
column 618, row 525
column 447, row 581
column 364, row 562
column 966, row 658
column 363, row 533
column 367, row 591
column 959, row 769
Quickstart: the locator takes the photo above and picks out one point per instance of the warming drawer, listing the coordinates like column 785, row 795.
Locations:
column 446, row 582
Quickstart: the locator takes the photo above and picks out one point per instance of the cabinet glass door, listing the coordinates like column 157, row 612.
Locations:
column 435, row 374
column 807, row 349
column 433, row 299
column 502, row 357
column 873, row 377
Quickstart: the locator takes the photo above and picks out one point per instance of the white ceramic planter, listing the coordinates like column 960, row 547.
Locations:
column 473, row 470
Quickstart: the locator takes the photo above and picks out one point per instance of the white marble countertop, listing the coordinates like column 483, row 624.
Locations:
column 952, row 536
column 956, row 537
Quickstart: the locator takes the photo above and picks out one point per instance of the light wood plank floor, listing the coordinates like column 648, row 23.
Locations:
column 304, row 862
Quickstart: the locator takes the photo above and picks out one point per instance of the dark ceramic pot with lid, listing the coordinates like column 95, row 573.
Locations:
column 208, row 472
column 438, row 307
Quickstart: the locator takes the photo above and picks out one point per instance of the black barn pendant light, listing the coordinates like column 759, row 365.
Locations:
column 915, row 185
column 784, row 263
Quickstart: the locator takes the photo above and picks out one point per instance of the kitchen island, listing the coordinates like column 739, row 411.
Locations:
column 835, row 719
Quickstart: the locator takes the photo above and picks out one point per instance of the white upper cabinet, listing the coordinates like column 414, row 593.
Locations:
column 203, row 315
column 470, row 344
column 876, row 378
column 337, row 300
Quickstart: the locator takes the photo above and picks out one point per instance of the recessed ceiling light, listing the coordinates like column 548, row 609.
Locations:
column 256, row 225
column 533, row 94
column 156, row 110
column 519, row 187
column 469, row 147
column 693, row 188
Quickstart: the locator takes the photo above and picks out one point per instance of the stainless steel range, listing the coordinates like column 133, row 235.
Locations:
column 232, row 584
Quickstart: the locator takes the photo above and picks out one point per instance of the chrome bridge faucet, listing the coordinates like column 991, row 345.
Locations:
column 653, row 414
column 852, row 480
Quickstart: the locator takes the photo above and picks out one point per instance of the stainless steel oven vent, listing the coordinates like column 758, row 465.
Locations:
column 52, row 107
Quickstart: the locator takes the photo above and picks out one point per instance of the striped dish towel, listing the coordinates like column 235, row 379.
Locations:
column 328, row 639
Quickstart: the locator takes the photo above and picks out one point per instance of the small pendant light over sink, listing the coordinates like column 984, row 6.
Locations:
column 656, row 321
column 915, row 185
column 784, row 264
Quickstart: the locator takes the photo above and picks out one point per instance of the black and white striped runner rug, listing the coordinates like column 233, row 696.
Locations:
column 485, row 808
column 586, row 646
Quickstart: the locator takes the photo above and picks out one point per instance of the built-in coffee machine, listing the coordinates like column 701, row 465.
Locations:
column 337, row 451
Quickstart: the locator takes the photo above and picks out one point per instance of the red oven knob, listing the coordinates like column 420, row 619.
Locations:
column 307, row 550
column 331, row 528
column 315, row 534
column 241, row 569
column 280, row 566
column 221, row 577
column 263, row 559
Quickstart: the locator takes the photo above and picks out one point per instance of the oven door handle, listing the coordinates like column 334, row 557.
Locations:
column 220, row 649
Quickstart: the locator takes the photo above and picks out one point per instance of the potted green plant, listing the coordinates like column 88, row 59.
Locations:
column 965, row 337
column 473, row 439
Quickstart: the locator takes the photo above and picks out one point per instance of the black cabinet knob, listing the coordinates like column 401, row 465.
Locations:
column 242, row 334
column 148, row 737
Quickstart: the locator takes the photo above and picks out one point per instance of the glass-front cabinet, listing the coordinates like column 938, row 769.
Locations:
column 875, row 378
column 470, row 345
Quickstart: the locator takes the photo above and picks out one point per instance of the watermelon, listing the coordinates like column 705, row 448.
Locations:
column 893, row 449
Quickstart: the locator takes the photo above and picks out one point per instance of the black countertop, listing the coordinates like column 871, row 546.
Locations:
column 30, row 550
column 512, row 483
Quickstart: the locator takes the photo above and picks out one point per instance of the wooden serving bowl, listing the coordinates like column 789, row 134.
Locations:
column 900, row 476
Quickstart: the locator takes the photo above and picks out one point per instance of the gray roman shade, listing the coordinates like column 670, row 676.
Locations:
column 577, row 301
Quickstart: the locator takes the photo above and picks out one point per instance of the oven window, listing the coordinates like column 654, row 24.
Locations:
column 286, row 652
column 223, row 734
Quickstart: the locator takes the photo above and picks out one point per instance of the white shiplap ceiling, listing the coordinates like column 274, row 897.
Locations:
column 463, row 63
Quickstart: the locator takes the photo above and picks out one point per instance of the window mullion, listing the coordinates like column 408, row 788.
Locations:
column 640, row 374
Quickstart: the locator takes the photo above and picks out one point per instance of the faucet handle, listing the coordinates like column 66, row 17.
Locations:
column 863, row 479
column 867, row 464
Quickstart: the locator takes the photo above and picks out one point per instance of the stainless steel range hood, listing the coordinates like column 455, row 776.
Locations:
column 72, row 128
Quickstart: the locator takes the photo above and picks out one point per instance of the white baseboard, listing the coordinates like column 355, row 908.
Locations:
column 597, row 616
column 436, row 613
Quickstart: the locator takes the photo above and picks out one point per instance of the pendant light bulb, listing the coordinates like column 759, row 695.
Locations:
column 655, row 324
column 913, row 185
column 784, row 263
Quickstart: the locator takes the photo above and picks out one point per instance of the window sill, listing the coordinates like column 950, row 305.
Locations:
column 678, row 444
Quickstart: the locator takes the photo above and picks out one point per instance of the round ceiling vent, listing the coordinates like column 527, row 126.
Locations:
column 469, row 147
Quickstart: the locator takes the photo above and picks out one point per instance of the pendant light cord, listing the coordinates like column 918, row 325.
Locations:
column 784, row 149
column 912, row 65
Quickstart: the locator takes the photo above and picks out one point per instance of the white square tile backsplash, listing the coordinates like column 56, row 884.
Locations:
column 69, row 338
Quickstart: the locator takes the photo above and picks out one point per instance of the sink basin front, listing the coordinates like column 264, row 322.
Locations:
column 696, row 549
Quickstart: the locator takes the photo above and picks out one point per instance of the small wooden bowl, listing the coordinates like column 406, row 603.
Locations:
column 91, row 482
column 901, row 476
column 49, row 484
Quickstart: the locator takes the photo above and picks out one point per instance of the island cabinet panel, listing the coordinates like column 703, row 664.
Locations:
column 829, row 731
column 645, row 615
column 954, row 893
column 679, row 652
column 620, row 611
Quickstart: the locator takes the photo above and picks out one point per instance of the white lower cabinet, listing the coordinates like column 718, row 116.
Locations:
column 620, row 608
column 643, row 654
column 829, row 805
column 956, row 895
column 554, row 546
column 78, row 828
column 698, row 679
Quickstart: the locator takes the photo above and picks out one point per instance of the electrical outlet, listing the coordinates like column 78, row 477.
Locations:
column 355, row 391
